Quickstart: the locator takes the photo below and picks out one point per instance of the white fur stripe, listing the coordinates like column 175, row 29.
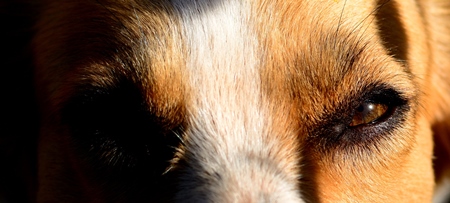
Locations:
column 227, row 118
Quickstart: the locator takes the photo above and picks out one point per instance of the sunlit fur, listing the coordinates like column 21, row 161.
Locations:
column 245, row 100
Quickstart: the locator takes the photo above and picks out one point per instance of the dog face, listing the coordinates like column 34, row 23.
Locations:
column 235, row 101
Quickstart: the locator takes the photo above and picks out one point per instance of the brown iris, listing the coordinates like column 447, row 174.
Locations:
column 367, row 113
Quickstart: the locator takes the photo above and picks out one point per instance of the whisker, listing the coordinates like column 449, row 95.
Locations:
column 179, row 137
column 370, row 14
column 339, row 23
column 168, row 169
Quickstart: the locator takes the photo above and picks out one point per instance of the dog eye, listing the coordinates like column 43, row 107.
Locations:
column 371, row 117
column 367, row 113
column 117, row 128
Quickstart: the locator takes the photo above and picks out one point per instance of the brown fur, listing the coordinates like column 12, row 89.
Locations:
column 316, row 60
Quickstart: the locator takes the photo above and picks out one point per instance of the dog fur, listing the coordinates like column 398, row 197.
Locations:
column 225, row 101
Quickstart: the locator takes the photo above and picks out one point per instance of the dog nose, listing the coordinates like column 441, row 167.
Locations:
column 237, row 178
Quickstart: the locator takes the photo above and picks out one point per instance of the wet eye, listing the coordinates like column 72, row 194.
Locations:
column 366, row 123
column 368, row 113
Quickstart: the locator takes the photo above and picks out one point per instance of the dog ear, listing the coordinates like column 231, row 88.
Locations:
column 437, row 18
column 441, row 131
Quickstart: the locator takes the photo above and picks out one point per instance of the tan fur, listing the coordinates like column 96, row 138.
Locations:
column 436, row 14
column 334, row 181
column 232, row 101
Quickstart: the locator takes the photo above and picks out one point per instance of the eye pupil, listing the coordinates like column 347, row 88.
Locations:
column 368, row 113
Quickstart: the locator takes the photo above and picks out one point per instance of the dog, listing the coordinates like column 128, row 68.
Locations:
column 226, row 101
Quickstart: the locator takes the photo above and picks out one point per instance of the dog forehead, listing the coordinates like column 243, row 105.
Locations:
column 268, row 42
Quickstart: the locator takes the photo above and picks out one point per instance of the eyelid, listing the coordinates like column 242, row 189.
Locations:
column 334, row 132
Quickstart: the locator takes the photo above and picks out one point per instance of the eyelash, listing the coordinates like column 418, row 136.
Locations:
column 337, row 132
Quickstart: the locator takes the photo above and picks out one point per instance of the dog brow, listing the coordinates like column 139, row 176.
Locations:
column 329, row 57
